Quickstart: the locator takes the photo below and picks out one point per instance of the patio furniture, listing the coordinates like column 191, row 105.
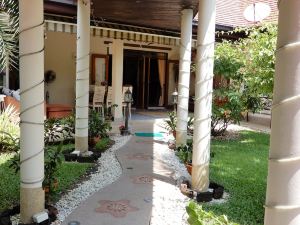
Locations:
column 98, row 99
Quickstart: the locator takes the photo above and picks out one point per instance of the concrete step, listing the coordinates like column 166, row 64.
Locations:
column 260, row 118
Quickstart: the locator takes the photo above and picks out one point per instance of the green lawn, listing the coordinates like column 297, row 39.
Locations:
column 69, row 173
column 241, row 167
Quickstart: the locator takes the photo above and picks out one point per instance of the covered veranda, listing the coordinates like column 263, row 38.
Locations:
column 281, row 208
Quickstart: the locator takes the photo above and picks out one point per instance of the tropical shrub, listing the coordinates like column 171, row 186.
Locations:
column 170, row 124
column 9, row 130
column 102, row 144
column 185, row 152
column 59, row 129
column 248, row 67
column 198, row 216
column 97, row 126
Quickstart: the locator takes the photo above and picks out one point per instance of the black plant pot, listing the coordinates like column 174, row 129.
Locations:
column 218, row 190
column 204, row 196
column 5, row 216
column 70, row 157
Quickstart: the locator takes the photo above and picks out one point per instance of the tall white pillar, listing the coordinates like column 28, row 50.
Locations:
column 184, row 75
column 203, row 94
column 283, row 183
column 82, row 75
column 32, row 107
column 117, row 77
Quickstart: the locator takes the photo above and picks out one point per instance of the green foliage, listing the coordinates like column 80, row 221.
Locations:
column 198, row 216
column 9, row 25
column 53, row 159
column 170, row 124
column 9, row 130
column 226, row 111
column 102, row 144
column 97, row 126
column 67, row 174
column 58, row 129
column 248, row 64
column 250, row 60
column 185, row 152
column 241, row 167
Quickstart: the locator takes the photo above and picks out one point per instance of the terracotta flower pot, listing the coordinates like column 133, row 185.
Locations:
column 189, row 168
column 174, row 133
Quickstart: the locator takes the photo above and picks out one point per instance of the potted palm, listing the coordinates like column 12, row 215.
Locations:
column 170, row 124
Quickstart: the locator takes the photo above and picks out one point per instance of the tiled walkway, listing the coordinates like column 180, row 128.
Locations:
column 128, row 201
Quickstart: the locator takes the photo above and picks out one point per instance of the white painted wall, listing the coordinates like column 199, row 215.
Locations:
column 60, row 53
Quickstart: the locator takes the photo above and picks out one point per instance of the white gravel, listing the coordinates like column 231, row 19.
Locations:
column 109, row 170
column 168, row 202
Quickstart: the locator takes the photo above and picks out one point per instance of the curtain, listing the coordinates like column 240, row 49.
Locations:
column 161, row 71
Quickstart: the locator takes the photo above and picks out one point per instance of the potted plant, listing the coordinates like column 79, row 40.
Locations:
column 170, row 124
column 53, row 158
column 98, row 128
column 185, row 154
column 122, row 129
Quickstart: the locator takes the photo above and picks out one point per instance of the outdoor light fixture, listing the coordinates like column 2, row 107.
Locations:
column 128, row 96
column 127, row 100
column 175, row 98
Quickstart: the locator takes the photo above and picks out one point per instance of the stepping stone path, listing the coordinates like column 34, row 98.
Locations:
column 128, row 201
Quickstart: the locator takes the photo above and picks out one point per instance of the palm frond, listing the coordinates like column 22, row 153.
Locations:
column 9, row 29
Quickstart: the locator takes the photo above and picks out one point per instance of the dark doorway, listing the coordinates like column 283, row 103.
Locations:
column 141, row 71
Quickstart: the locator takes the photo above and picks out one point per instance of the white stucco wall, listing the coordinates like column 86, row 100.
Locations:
column 60, row 53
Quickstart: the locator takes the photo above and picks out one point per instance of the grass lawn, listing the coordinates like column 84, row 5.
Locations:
column 241, row 167
column 69, row 173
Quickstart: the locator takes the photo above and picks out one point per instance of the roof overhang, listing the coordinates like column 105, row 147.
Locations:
column 149, row 16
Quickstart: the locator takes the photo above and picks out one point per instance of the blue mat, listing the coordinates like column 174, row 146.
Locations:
column 148, row 134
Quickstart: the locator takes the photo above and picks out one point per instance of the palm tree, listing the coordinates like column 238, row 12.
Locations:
column 9, row 28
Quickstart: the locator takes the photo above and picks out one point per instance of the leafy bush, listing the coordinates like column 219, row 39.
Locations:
column 226, row 108
column 198, row 216
column 185, row 152
column 97, row 126
column 53, row 158
column 59, row 129
column 102, row 144
column 9, row 130
column 170, row 124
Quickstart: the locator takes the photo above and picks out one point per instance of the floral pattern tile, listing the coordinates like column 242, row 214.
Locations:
column 117, row 209
column 140, row 156
column 143, row 179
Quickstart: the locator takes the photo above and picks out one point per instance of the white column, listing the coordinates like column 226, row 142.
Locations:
column 82, row 75
column 283, row 183
column 203, row 94
column 32, row 107
column 184, row 75
column 117, row 76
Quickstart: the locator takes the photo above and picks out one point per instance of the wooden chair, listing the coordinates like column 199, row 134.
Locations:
column 98, row 98
column 109, row 96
